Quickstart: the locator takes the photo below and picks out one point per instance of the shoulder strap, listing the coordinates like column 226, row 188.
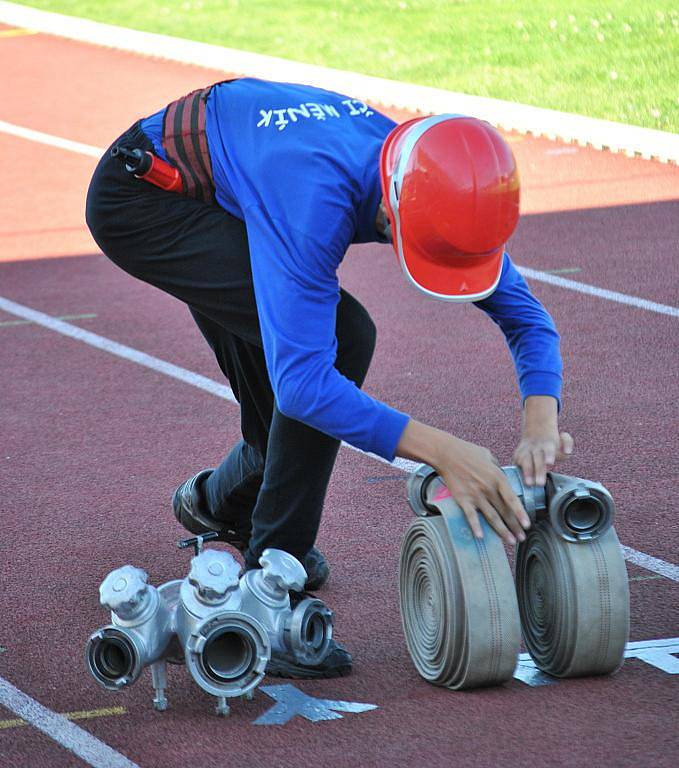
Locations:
column 185, row 144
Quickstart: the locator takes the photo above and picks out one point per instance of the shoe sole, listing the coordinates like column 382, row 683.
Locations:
column 194, row 522
column 319, row 580
column 191, row 519
column 284, row 670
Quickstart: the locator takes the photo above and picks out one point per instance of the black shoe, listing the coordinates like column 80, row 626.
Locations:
column 189, row 509
column 317, row 569
column 337, row 663
column 187, row 505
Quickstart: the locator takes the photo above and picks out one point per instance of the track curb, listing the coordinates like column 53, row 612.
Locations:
column 521, row 118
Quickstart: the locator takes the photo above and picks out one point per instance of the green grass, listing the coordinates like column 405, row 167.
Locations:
column 617, row 60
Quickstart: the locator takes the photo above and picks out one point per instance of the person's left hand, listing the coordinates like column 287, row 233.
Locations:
column 542, row 445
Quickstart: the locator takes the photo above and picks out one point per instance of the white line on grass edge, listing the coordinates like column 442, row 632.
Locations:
column 601, row 134
column 668, row 570
column 86, row 746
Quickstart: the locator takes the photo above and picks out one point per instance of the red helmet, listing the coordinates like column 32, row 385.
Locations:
column 451, row 190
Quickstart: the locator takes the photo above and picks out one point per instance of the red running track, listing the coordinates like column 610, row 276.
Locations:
column 93, row 447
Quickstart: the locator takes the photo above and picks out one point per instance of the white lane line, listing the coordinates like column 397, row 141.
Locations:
column 534, row 274
column 120, row 350
column 14, row 323
column 148, row 361
column 654, row 564
column 86, row 746
column 601, row 134
column 563, row 271
column 50, row 140
column 600, row 293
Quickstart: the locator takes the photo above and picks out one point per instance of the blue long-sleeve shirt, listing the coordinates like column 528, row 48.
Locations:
column 300, row 166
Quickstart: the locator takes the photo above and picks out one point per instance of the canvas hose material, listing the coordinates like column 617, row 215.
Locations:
column 574, row 602
column 458, row 603
column 463, row 615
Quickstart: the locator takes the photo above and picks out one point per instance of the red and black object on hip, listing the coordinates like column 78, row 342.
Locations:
column 145, row 165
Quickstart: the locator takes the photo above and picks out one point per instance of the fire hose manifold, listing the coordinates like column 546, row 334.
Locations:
column 223, row 625
column 462, row 614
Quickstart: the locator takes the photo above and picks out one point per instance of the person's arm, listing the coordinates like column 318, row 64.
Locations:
column 473, row 477
column 297, row 292
column 534, row 343
column 541, row 444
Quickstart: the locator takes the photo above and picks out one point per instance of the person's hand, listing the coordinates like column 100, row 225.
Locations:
column 541, row 445
column 473, row 477
column 477, row 484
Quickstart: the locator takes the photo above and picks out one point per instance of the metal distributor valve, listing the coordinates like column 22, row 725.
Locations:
column 225, row 625
column 304, row 630
column 125, row 592
column 213, row 574
column 226, row 650
column 139, row 634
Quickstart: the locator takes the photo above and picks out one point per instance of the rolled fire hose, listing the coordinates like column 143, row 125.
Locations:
column 574, row 602
column 458, row 603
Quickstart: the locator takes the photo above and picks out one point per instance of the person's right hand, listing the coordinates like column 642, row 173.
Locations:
column 473, row 477
column 477, row 484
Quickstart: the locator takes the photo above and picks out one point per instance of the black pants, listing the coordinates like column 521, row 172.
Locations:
column 272, row 484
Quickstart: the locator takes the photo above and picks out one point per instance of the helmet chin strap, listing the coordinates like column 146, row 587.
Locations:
column 383, row 224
